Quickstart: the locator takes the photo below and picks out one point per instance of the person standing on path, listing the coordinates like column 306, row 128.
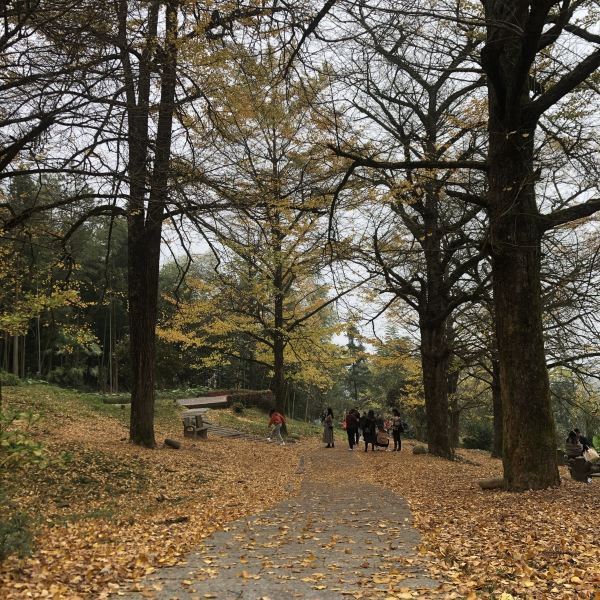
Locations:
column 397, row 430
column 370, row 430
column 351, row 428
column 276, row 422
column 328, row 429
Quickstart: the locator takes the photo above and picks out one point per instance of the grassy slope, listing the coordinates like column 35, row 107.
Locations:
column 255, row 421
column 100, row 508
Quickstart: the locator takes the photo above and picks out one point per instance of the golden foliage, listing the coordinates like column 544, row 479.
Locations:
column 109, row 514
column 483, row 544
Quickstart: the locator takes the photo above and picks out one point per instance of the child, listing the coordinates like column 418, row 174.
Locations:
column 383, row 439
column 276, row 421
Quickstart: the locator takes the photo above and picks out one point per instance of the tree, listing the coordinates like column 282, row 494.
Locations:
column 269, row 162
column 357, row 377
column 230, row 317
column 415, row 102
column 519, row 35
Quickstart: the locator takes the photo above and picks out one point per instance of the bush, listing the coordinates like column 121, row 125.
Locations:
column 238, row 408
column 17, row 446
column 479, row 436
column 69, row 377
column 15, row 536
column 9, row 379
column 262, row 399
column 116, row 399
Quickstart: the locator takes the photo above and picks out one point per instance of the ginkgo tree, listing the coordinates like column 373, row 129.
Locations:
column 229, row 316
column 266, row 157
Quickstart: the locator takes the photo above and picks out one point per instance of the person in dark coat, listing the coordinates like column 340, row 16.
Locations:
column 369, row 430
column 397, row 430
column 573, row 447
column 351, row 428
column 328, row 429
column 582, row 439
column 358, row 417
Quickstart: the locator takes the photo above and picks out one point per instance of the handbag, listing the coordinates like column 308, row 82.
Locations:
column 591, row 455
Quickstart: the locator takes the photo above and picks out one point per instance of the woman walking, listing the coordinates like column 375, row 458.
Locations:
column 397, row 430
column 351, row 428
column 370, row 430
column 328, row 429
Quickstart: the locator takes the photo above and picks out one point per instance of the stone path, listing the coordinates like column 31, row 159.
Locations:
column 351, row 540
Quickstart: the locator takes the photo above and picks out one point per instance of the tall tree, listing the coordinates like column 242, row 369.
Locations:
column 269, row 162
column 519, row 37
column 415, row 102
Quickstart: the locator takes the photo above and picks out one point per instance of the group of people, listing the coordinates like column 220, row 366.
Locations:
column 578, row 445
column 374, row 429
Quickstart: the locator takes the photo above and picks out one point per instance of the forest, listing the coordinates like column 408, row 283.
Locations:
column 320, row 205
column 359, row 204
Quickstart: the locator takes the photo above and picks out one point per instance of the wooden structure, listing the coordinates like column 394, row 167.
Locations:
column 205, row 402
column 582, row 470
column 193, row 424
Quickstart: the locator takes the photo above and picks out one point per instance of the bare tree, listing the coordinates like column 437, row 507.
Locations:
column 412, row 99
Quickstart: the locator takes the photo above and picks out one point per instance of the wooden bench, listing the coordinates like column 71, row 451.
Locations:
column 193, row 424
column 581, row 470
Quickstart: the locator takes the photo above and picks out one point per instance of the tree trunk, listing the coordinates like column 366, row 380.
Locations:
column 529, row 446
column 145, row 226
column 455, row 409
column 278, row 384
column 454, row 424
column 15, row 355
column 143, row 299
column 434, row 360
column 497, row 410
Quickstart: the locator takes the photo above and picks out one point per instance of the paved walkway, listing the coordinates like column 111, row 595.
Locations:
column 333, row 541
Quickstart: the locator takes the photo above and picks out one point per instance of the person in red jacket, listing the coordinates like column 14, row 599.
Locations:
column 352, row 428
column 276, row 421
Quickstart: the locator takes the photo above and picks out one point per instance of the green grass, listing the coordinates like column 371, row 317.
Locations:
column 51, row 401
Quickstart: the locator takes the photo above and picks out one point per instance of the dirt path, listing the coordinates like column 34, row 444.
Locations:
column 339, row 539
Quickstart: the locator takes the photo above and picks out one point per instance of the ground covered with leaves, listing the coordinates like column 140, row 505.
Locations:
column 106, row 514
column 495, row 544
column 104, row 511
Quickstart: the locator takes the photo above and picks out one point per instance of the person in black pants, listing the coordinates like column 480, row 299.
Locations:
column 351, row 428
column 369, row 430
column 397, row 430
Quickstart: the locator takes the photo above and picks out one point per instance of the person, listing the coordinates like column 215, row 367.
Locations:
column 358, row 417
column 397, row 430
column 276, row 421
column 351, row 428
column 573, row 446
column 328, row 429
column 369, row 430
column 383, row 439
column 582, row 439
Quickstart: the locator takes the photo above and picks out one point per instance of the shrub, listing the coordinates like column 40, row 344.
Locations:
column 15, row 536
column 117, row 399
column 479, row 436
column 17, row 446
column 9, row 379
column 238, row 408
column 262, row 399
column 70, row 377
